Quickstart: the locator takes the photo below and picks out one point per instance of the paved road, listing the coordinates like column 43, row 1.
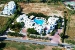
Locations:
column 37, row 42
column 34, row 42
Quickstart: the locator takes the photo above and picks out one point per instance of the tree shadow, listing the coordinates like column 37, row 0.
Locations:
column 66, row 36
column 2, row 45
column 2, row 38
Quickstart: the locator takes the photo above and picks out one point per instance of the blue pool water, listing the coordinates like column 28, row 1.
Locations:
column 39, row 21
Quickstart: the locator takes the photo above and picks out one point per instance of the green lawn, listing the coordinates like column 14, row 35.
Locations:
column 10, row 45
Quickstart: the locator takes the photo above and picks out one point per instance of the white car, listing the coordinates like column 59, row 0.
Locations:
column 68, row 47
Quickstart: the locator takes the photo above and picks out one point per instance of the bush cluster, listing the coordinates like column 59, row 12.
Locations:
column 56, row 49
column 70, row 41
column 37, row 14
column 32, row 31
column 37, row 37
column 15, row 34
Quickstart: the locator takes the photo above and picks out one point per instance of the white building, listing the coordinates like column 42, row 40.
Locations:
column 22, row 18
column 9, row 8
column 49, row 25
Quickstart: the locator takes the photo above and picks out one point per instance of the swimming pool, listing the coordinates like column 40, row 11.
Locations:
column 39, row 21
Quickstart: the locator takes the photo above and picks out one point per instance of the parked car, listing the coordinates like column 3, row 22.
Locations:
column 68, row 47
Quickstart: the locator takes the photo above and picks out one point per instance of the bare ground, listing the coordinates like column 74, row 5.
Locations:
column 71, row 30
column 48, row 48
column 10, row 48
column 42, row 8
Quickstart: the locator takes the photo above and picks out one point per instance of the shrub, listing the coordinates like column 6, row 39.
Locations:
column 32, row 31
column 56, row 49
column 70, row 41
column 15, row 34
column 16, row 27
column 32, row 13
column 37, row 14
column 31, row 36
column 53, row 32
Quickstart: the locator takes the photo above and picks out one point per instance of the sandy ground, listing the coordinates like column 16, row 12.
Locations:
column 72, row 21
column 48, row 48
column 41, row 7
column 71, row 30
column 10, row 48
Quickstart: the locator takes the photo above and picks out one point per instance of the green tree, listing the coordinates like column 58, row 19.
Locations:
column 32, row 13
column 37, row 14
column 56, row 1
column 15, row 34
column 61, row 35
column 16, row 27
column 59, row 25
column 28, row 1
column 56, row 49
column 44, row 1
column 22, row 24
column 32, row 31
column 53, row 32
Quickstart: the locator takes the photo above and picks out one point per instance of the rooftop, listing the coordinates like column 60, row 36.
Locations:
column 9, row 8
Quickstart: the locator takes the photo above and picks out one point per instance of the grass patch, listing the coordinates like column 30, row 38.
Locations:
column 21, row 46
column 1, row 8
column 71, row 33
column 71, row 27
column 56, row 49
column 3, row 21
column 70, row 42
